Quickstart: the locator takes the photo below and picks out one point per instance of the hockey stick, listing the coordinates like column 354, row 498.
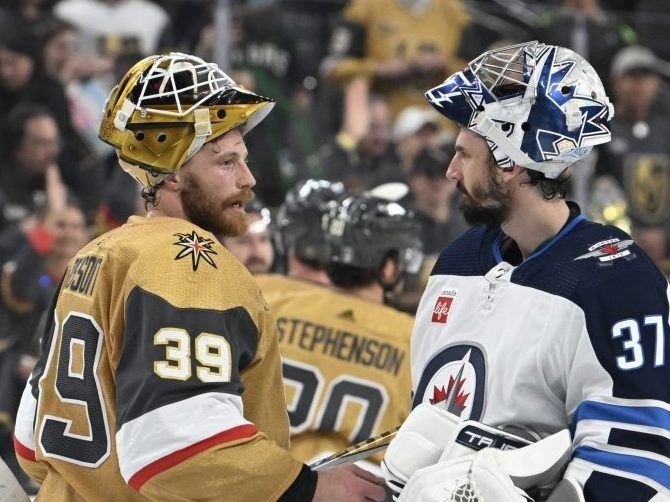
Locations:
column 10, row 489
column 356, row 451
column 369, row 447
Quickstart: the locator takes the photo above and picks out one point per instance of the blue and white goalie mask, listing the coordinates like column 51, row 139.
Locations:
column 539, row 106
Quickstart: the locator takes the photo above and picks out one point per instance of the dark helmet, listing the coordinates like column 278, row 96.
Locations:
column 300, row 219
column 364, row 229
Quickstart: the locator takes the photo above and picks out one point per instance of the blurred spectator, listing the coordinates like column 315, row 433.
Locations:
column 414, row 129
column 638, row 157
column 116, row 27
column 83, row 75
column 31, row 143
column 254, row 249
column 583, row 26
column 360, row 164
column 433, row 200
column 28, row 281
column 23, row 80
column 24, row 16
column 403, row 47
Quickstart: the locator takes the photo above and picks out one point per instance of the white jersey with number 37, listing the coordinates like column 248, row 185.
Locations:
column 574, row 336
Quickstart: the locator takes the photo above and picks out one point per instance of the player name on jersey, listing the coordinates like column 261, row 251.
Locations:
column 340, row 344
column 84, row 274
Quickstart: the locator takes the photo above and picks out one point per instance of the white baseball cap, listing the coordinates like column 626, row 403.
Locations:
column 412, row 119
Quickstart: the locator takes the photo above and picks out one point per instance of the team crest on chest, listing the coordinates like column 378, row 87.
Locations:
column 454, row 379
column 609, row 250
column 196, row 247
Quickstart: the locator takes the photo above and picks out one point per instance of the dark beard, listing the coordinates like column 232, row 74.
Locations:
column 494, row 209
column 209, row 215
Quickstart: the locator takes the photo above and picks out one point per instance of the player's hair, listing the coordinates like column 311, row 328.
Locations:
column 349, row 277
column 549, row 188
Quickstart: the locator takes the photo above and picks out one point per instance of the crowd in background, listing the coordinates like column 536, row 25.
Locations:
column 349, row 88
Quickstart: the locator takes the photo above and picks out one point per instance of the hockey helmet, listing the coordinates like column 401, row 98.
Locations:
column 257, row 206
column 364, row 229
column 541, row 107
column 167, row 106
column 300, row 218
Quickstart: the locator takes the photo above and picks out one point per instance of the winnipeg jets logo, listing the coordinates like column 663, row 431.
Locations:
column 454, row 379
column 196, row 247
column 609, row 250
column 453, row 399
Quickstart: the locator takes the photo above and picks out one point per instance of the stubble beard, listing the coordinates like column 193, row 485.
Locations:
column 211, row 215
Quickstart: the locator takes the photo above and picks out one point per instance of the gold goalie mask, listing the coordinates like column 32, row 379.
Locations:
column 167, row 106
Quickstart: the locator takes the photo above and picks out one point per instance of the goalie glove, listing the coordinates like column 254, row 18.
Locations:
column 492, row 475
column 430, row 434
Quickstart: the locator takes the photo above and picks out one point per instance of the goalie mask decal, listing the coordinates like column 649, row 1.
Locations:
column 454, row 379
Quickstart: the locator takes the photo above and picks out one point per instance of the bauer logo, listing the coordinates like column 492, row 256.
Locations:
column 442, row 308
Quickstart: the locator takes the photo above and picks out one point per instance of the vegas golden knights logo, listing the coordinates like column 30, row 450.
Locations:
column 647, row 183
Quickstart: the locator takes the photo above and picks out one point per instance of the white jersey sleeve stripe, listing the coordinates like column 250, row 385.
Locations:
column 650, row 416
column 24, row 431
column 172, row 433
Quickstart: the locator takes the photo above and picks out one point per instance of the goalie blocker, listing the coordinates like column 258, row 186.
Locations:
column 472, row 460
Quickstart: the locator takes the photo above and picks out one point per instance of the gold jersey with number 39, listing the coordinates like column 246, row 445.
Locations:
column 160, row 376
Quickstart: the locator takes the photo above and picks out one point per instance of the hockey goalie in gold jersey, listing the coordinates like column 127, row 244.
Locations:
column 160, row 376
column 345, row 354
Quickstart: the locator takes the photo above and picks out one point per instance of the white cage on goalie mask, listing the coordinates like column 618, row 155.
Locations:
column 542, row 107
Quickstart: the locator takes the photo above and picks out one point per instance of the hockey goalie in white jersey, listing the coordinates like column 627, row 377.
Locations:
column 536, row 318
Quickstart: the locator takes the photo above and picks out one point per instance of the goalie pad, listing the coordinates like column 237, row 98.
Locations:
column 430, row 435
column 567, row 490
column 492, row 475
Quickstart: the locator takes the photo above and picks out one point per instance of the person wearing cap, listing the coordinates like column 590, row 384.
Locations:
column 638, row 158
column 160, row 376
column 415, row 128
column 254, row 248
column 536, row 320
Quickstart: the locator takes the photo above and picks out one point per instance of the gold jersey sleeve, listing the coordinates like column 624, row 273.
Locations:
column 160, row 377
column 377, row 31
column 346, row 365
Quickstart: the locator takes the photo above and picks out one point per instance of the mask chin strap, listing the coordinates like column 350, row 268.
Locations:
column 203, row 129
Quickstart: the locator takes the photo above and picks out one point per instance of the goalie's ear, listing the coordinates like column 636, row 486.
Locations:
column 538, row 464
